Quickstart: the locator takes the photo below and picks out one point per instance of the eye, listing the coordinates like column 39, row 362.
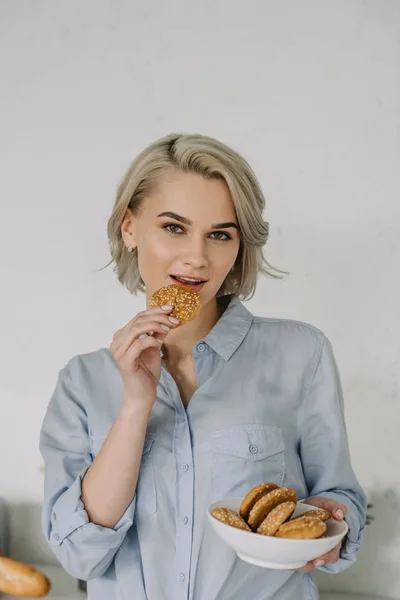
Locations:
column 178, row 230
column 219, row 233
column 173, row 225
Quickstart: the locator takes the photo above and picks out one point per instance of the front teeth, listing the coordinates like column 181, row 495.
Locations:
column 188, row 280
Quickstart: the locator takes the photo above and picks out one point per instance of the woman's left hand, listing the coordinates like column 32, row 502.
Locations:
column 338, row 511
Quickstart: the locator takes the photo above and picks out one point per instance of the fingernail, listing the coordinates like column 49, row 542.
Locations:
column 173, row 320
column 165, row 327
column 340, row 514
column 319, row 563
column 166, row 307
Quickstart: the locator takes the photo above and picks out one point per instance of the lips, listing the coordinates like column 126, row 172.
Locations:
column 194, row 286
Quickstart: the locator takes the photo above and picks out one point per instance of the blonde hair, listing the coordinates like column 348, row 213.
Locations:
column 205, row 156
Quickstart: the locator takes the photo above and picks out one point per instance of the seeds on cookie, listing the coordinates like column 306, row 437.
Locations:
column 253, row 496
column 318, row 513
column 302, row 529
column 230, row 517
column 267, row 503
column 276, row 518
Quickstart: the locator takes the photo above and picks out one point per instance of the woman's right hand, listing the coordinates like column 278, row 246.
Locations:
column 139, row 358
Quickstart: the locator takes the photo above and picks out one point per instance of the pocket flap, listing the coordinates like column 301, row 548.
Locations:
column 251, row 441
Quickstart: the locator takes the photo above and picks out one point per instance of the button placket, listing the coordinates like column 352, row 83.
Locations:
column 184, row 502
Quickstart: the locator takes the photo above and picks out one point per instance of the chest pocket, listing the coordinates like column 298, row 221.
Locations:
column 245, row 456
column 146, row 500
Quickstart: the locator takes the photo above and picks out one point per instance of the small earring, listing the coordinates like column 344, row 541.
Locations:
column 130, row 249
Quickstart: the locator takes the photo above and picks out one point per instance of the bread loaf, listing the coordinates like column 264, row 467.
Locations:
column 22, row 580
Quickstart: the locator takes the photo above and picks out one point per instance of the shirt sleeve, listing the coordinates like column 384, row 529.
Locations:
column 84, row 549
column 325, row 455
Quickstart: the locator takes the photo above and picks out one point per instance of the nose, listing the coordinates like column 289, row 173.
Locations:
column 195, row 253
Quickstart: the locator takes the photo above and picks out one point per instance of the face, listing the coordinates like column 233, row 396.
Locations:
column 186, row 228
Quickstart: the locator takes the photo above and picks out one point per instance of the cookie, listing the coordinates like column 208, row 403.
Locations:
column 230, row 517
column 263, row 507
column 253, row 496
column 276, row 518
column 318, row 513
column 305, row 528
column 184, row 300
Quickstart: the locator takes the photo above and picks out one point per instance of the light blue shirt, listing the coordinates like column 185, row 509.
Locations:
column 268, row 407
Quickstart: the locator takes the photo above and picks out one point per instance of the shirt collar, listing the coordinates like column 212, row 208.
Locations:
column 231, row 329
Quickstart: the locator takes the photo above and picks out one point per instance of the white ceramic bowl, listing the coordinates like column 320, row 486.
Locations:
column 272, row 552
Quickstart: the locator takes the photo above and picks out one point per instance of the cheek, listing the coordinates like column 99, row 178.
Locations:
column 223, row 260
column 153, row 254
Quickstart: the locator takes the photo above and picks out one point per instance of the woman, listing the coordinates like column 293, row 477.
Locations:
column 140, row 438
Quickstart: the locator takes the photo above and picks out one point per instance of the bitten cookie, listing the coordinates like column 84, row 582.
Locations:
column 253, row 496
column 276, row 518
column 230, row 517
column 304, row 528
column 184, row 300
column 263, row 507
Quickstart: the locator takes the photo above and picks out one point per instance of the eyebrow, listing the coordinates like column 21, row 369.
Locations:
column 187, row 221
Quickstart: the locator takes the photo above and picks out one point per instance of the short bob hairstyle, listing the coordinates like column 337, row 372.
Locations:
column 209, row 158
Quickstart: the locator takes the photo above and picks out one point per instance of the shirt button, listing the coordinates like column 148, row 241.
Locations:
column 55, row 537
column 185, row 467
column 185, row 520
column 181, row 577
column 201, row 347
column 253, row 449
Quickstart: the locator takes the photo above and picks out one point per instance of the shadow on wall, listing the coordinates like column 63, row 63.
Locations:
column 377, row 568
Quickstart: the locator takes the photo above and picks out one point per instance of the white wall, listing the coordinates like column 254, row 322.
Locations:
column 309, row 93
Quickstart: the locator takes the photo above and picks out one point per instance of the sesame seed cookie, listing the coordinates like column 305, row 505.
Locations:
column 305, row 528
column 263, row 507
column 318, row 513
column 184, row 300
column 253, row 496
column 230, row 517
column 276, row 518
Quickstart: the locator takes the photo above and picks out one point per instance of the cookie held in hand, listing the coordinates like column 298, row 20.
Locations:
column 184, row 300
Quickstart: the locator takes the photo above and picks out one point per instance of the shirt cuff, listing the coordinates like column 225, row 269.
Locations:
column 70, row 519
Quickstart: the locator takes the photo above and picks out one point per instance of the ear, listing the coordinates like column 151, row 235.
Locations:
column 128, row 229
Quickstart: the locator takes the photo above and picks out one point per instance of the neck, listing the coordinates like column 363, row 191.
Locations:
column 180, row 341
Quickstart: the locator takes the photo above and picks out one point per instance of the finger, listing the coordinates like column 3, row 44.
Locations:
column 121, row 345
column 148, row 325
column 136, row 350
column 155, row 310
column 330, row 557
column 338, row 510
column 158, row 317
column 307, row 568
